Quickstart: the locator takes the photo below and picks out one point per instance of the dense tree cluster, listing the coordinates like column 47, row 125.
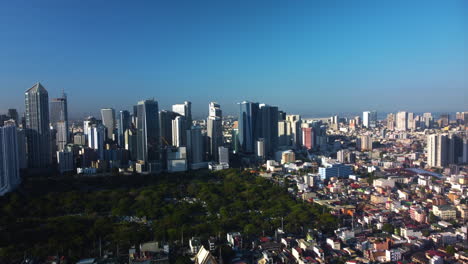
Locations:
column 71, row 216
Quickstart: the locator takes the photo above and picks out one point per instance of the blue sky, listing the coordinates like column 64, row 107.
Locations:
column 307, row 57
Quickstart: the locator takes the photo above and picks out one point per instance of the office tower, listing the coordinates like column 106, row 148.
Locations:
column 37, row 124
column 131, row 143
column 214, row 130
column 185, row 110
column 148, row 137
column 455, row 148
column 281, row 115
column 401, row 121
column 288, row 157
column 369, row 119
column 410, row 121
column 61, row 137
column 178, row 131
column 96, row 137
column 165, row 120
column 358, row 121
column 437, row 147
column 108, row 120
column 364, row 143
column 194, row 145
column 341, row 156
column 267, row 128
column 260, row 148
column 465, row 150
column 296, row 132
column 223, row 153
column 59, row 120
column 444, row 120
column 284, row 133
column 391, row 121
column 13, row 114
column 308, row 136
column 79, row 139
column 65, row 161
column 9, row 159
column 428, row 120
column 123, row 123
column 247, row 121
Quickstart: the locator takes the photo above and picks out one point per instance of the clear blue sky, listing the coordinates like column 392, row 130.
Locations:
column 305, row 56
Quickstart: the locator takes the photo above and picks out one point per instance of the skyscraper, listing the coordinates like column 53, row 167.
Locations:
column 96, row 138
column 108, row 120
column 402, row 121
column 308, row 137
column 178, row 131
column 267, row 127
column 364, row 143
column 148, row 137
column 214, row 130
column 437, row 147
column 391, row 121
column 194, row 145
column 165, row 121
column 59, row 120
column 185, row 110
column 247, row 121
column 9, row 159
column 123, row 123
column 296, row 133
column 369, row 119
column 13, row 114
column 37, row 123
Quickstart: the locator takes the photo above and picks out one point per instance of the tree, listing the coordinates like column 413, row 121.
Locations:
column 450, row 250
column 388, row 228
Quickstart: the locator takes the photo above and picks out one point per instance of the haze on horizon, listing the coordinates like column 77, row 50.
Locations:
column 303, row 56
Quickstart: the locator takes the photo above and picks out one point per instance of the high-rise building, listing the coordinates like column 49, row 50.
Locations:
column 267, row 127
column 108, row 120
column 185, row 110
column 96, row 138
column 411, row 122
column 391, row 121
column 123, row 123
column 37, row 124
column 65, row 161
column 428, row 120
column 148, row 137
column 364, row 143
column 260, row 150
column 59, row 120
column 284, row 133
column 402, row 121
column 296, row 132
column 247, row 121
column 9, row 159
column 13, row 114
column 194, row 145
column 308, row 137
column 178, row 131
column 165, row 120
column 369, row 119
column 131, row 143
column 437, row 150
column 223, row 155
column 444, row 120
column 214, row 130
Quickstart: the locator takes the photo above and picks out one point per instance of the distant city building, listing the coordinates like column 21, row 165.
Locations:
column 37, row 124
column 165, row 120
column 123, row 123
column 337, row 170
column 184, row 110
column 194, row 145
column 369, row 119
column 444, row 120
column 108, row 120
column 96, row 138
column 223, row 155
column 288, row 157
column 148, row 137
column 260, row 149
column 308, row 137
column 13, row 114
column 65, row 161
column 9, row 159
column 178, row 131
column 214, row 130
column 391, row 122
column 437, row 149
column 59, row 120
column 364, row 143
column 402, row 121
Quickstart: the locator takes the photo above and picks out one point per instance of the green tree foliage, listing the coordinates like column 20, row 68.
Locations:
column 71, row 221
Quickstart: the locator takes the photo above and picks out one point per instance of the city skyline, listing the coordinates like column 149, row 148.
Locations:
column 320, row 57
